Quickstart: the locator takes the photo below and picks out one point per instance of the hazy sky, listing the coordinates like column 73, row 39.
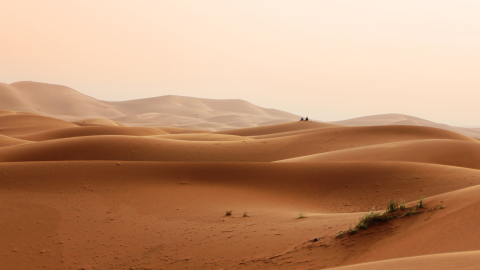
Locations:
column 330, row 60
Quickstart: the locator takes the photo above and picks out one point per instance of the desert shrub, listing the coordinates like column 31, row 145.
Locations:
column 340, row 234
column 245, row 214
column 228, row 213
column 410, row 213
column 301, row 215
column 402, row 206
column 353, row 230
column 392, row 206
column 420, row 203
column 369, row 219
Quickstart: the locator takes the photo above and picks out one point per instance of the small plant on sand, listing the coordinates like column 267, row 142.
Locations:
column 301, row 215
column 442, row 207
column 372, row 217
column 420, row 203
column 245, row 214
column 369, row 219
column 392, row 206
column 410, row 213
column 228, row 213
column 402, row 206
column 353, row 230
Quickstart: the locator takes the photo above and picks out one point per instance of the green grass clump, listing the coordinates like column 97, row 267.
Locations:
column 301, row 215
column 402, row 206
column 340, row 234
column 228, row 213
column 420, row 203
column 353, row 230
column 369, row 219
column 392, row 206
column 410, row 213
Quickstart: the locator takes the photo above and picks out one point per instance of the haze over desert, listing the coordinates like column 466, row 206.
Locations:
column 239, row 135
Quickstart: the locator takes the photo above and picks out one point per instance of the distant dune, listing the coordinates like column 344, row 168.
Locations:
column 67, row 104
column 175, row 111
column 401, row 119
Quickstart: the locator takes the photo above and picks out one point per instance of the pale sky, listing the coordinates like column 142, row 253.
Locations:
column 329, row 60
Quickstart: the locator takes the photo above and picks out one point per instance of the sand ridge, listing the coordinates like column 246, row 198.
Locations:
column 142, row 148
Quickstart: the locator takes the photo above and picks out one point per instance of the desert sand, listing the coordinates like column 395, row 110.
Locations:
column 87, row 184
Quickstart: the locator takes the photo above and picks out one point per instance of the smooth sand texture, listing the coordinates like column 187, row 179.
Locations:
column 9, row 141
column 90, row 131
column 176, row 111
column 460, row 260
column 26, row 124
column 401, row 119
column 106, row 196
column 138, row 148
column 98, row 121
column 446, row 152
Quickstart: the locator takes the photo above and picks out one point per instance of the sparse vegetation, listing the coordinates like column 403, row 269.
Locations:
column 410, row 213
column 301, row 215
column 420, row 203
column 392, row 206
column 370, row 219
column 245, row 214
column 228, row 213
column 353, row 230
column 442, row 207
column 402, row 206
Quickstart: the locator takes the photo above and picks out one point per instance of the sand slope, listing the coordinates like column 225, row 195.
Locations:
column 277, row 128
column 460, row 260
column 26, row 124
column 135, row 215
column 99, row 122
column 401, row 119
column 9, row 141
column 446, row 152
column 90, row 131
column 185, row 112
column 136, row 148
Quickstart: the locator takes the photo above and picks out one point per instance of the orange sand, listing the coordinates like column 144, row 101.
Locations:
column 101, row 195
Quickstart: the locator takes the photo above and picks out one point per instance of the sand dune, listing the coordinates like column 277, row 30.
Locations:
column 101, row 190
column 126, row 214
column 9, row 141
column 446, row 152
column 26, row 124
column 136, row 148
column 277, row 128
column 401, row 119
column 175, row 111
column 186, row 112
column 459, row 260
column 203, row 137
column 90, row 131
column 98, row 121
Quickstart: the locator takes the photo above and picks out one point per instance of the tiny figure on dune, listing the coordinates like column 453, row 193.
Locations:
column 306, row 119
column 301, row 119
